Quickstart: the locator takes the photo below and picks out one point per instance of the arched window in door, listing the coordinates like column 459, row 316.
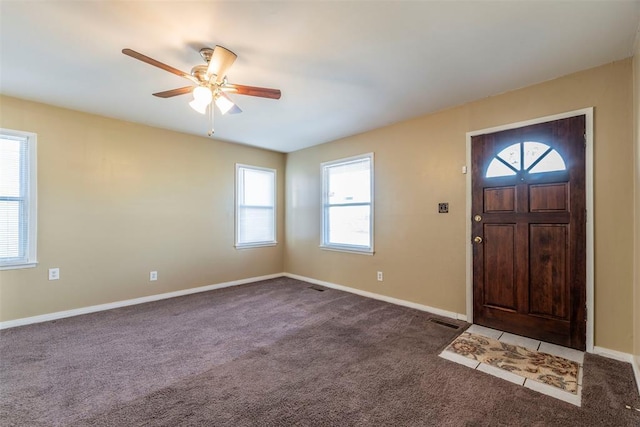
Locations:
column 529, row 156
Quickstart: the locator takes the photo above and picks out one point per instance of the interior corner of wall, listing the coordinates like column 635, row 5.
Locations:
column 636, row 370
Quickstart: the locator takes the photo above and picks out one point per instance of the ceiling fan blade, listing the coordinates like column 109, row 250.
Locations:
column 151, row 61
column 262, row 92
column 174, row 92
column 221, row 59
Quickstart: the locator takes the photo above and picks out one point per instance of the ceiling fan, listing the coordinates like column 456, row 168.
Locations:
column 210, row 82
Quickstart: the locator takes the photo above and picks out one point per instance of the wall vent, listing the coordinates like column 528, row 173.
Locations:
column 443, row 323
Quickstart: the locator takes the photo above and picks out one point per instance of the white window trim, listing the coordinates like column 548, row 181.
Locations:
column 323, row 236
column 32, row 200
column 273, row 242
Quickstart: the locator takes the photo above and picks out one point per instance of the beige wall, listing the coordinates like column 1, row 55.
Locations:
column 418, row 164
column 117, row 200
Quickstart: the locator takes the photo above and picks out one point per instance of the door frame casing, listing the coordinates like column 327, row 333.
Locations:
column 588, row 113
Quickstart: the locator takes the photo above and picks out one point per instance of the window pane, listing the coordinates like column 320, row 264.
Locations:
column 497, row 168
column 347, row 199
column 349, row 225
column 511, row 155
column 550, row 163
column 255, row 206
column 532, row 151
column 258, row 187
column 10, row 151
column 10, row 229
column 350, row 182
column 17, row 198
column 255, row 225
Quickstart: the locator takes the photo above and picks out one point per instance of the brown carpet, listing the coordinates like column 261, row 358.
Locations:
column 274, row 353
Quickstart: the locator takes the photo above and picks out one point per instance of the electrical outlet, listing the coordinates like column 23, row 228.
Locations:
column 379, row 276
column 54, row 273
column 153, row 276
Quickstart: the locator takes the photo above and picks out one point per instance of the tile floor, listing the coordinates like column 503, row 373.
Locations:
column 531, row 344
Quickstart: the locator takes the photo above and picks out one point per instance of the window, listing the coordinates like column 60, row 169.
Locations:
column 255, row 206
column 537, row 158
column 347, row 204
column 17, row 199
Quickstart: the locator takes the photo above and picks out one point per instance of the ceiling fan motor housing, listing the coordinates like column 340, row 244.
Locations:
column 206, row 53
column 200, row 73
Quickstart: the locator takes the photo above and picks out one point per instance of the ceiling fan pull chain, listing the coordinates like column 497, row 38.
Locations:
column 211, row 112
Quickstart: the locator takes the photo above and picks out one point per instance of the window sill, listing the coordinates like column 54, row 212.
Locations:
column 18, row 266
column 348, row 250
column 255, row 245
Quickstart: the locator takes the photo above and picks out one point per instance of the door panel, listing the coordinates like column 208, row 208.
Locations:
column 500, row 267
column 548, row 197
column 500, row 199
column 528, row 215
column 549, row 290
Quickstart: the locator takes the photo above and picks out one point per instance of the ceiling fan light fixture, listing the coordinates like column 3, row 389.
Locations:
column 202, row 95
column 223, row 103
column 200, row 107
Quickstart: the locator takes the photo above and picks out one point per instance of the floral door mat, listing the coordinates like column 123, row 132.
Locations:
column 542, row 367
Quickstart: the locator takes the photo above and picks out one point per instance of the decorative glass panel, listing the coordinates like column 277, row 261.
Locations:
column 550, row 163
column 538, row 158
column 532, row 151
column 511, row 155
column 497, row 168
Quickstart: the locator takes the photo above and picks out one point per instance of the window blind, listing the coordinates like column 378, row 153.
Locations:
column 255, row 207
column 14, row 199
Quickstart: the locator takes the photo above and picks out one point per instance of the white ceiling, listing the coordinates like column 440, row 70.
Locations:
column 343, row 67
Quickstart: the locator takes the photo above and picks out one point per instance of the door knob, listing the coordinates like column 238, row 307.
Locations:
column 477, row 218
column 477, row 239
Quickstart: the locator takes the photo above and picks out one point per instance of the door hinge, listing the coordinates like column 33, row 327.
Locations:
column 585, row 140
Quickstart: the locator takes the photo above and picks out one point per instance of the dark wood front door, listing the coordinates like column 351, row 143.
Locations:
column 529, row 231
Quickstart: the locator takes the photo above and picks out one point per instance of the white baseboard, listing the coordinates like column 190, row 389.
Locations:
column 94, row 308
column 380, row 297
column 613, row 354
